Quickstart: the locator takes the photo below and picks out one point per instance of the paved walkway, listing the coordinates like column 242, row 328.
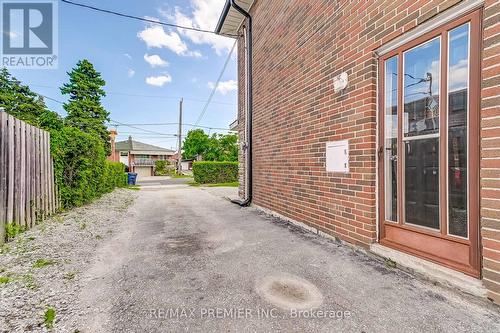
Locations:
column 189, row 260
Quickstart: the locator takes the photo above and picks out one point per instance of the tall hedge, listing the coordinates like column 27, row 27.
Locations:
column 206, row 172
column 81, row 170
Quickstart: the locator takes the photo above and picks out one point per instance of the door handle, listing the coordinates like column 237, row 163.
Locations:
column 380, row 152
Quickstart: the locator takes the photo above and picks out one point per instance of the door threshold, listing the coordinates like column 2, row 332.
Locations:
column 432, row 271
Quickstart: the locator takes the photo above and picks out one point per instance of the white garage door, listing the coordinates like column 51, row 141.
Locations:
column 143, row 171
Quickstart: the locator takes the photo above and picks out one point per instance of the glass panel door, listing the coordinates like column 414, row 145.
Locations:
column 429, row 138
column 391, row 139
column 458, row 95
column 421, row 134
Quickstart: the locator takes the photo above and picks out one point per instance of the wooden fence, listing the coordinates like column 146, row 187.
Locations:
column 27, row 189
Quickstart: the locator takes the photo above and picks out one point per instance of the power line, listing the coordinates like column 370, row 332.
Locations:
column 135, row 127
column 146, row 134
column 141, row 95
column 50, row 98
column 171, row 124
column 135, row 17
column 117, row 123
column 216, row 84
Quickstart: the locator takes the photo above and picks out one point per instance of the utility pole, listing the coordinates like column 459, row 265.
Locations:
column 179, row 135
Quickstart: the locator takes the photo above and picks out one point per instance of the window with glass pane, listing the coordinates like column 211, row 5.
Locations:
column 391, row 139
column 421, row 134
column 458, row 85
column 421, row 89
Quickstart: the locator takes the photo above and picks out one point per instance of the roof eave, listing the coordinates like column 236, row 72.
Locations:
column 230, row 20
column 222, row 17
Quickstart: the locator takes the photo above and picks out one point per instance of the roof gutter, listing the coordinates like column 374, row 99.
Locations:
column 249, row 92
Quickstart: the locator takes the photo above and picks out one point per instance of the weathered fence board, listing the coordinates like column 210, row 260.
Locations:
column 27, row 188
column 3, row 174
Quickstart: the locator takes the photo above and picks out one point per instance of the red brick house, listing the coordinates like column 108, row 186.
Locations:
column 139, row 157
column 378, row 123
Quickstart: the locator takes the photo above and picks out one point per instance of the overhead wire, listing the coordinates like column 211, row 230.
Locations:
column 138, row 18
column 153, row 21
column 143, row 95
column 214, row 89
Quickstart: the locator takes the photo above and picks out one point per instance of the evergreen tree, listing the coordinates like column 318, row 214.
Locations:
column 85, row 90
column 19, row 101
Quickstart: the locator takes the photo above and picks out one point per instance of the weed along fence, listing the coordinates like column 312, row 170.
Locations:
column 27, row 189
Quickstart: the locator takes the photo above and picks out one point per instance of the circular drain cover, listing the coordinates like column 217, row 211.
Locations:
column 289, row 292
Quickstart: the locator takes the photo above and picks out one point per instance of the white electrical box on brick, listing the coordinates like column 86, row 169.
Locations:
column 337, row 156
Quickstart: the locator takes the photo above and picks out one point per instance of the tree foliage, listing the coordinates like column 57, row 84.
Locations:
column 218, row 147
column 195, row 144
column 80, row 167
column 19, row 101
column 84, row 108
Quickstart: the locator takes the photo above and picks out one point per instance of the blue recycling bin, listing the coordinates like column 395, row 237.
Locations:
column 132, row 178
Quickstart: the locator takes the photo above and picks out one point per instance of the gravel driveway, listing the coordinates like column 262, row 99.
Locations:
column 44, row 267
column 185, row 259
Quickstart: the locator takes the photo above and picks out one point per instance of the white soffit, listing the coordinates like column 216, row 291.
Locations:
column 234, row 19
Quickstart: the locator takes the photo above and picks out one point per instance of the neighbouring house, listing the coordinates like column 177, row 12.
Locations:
column 139, row 157
column 186, row 164
column 377, row 123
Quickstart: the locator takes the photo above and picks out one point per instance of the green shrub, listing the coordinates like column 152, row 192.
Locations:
column 80, row 167
column 215, row 172
column 161, row 168
column 113, row 176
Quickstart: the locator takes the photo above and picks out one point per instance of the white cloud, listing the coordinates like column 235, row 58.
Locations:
column 156, row 37
column 195, row 54
column 225, row 86
column 130, row 72
column 155, row 60
column 159, row 81
column 128, row 56
column 205, row 15
column 458, row 75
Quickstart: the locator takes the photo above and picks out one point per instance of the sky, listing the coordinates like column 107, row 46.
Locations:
column 160, row 64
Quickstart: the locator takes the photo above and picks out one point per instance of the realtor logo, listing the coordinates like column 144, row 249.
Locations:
column 29, row 34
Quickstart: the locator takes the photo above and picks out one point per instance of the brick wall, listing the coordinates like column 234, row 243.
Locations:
column 299, row 46
column 490, row 149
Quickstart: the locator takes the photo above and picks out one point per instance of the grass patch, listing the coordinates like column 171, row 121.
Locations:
column 180, row 176
column 4, row 279
column 69, row 276
column 133, row 187
column 49, row 318
column 4, row 249
column 232, row 184
column 390, row 263
column 29, row 282
column 43, row 262
column 12, row 230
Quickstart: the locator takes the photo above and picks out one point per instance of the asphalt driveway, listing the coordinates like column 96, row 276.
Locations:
column 189, row 260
